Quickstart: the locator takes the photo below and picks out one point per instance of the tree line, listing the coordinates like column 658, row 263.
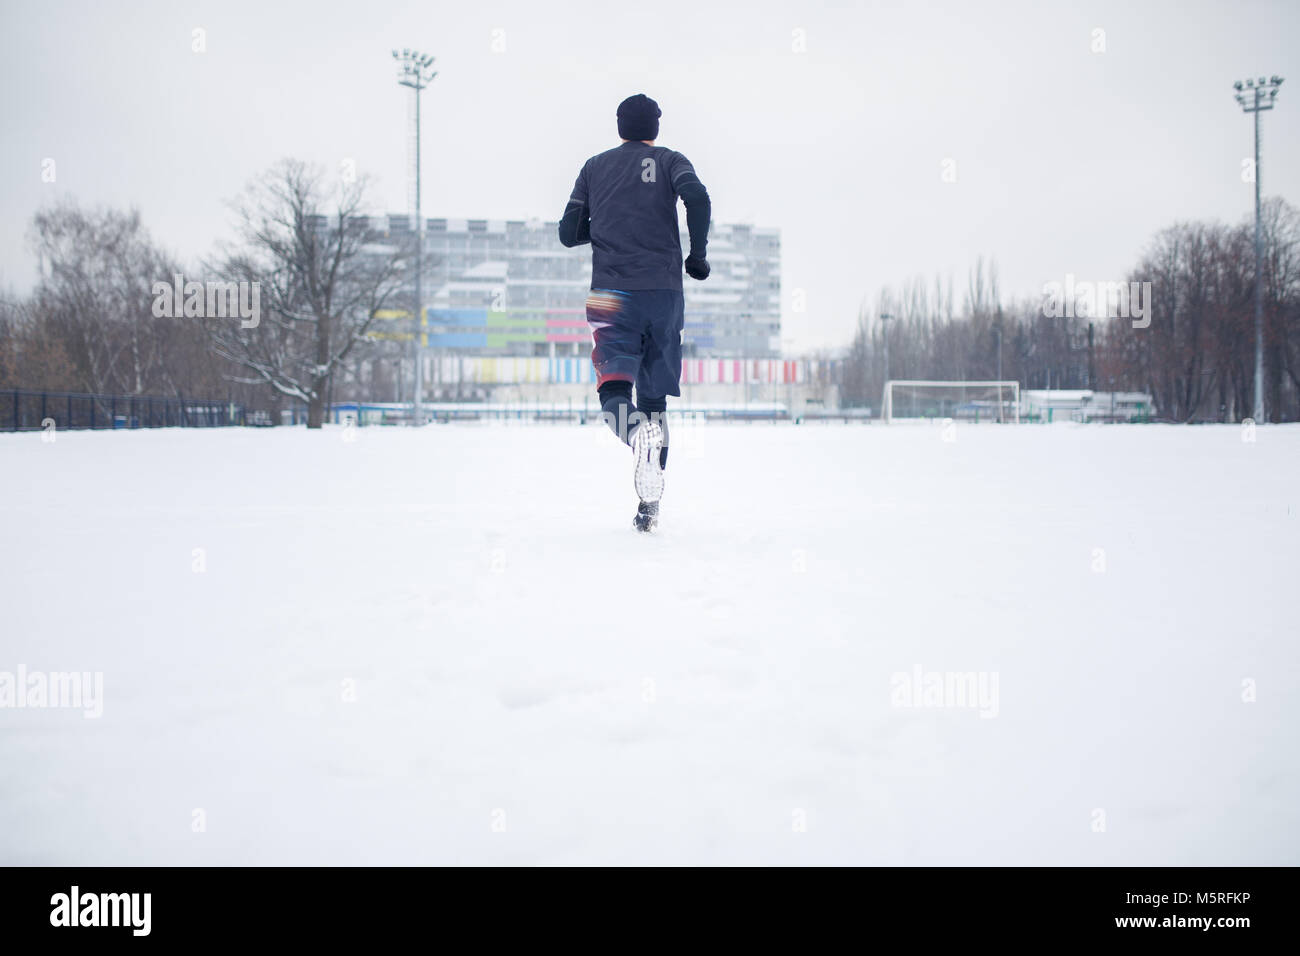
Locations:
column 92, row 322
column 1193, row 350
column 101, row 318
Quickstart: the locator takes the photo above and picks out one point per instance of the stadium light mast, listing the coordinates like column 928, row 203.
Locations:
column 414, row 70
column 1255, row 96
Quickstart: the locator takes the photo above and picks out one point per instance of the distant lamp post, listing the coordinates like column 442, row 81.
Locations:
column 885, row 319
column 998, row 329
column 1255, row 96
column 414, row 70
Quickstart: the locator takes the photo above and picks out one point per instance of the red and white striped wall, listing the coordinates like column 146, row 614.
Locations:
column 502, row 370
column 734, row 371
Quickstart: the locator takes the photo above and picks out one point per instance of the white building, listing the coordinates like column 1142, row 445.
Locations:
column 1084, row 405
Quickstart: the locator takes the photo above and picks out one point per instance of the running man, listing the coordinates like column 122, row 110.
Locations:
column 625, row 204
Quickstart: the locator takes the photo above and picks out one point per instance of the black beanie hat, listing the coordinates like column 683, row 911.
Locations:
column 638, row 118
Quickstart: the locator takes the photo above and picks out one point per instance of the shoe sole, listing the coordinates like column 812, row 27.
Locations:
column 648, row 478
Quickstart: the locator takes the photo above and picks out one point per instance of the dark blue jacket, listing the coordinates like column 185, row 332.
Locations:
column 625, row 204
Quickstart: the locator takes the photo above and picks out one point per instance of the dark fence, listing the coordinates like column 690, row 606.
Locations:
column 396, row 413
column 31, row 410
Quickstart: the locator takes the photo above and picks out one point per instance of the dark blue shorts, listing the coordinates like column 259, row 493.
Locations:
column 637, row 338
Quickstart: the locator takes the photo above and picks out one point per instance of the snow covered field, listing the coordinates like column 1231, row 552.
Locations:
column 448, row 646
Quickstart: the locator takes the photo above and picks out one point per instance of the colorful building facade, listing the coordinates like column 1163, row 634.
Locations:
column 509, row 289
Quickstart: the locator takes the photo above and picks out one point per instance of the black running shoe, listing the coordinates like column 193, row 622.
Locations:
column 647, row 517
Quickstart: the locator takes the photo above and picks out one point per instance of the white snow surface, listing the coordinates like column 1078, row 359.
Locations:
column 534, row 683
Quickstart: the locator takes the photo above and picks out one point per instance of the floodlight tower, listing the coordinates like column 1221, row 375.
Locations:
column 414, row 70
column 1255, row 96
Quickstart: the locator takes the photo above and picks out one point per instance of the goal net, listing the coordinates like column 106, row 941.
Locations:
column 960, row 401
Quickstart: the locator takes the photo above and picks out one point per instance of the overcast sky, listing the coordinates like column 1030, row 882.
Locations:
column 1066, row 160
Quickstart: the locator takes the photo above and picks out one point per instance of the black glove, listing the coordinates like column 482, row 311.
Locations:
column 697, row 267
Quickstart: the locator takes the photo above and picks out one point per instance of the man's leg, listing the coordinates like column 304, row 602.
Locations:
column 618, row 323
column 660, row 373
column 617, row 409
column 651, row 411
column 616, row 355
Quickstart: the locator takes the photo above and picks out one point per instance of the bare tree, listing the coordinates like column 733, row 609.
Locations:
column 31, row 356
column 323, row 277
column 1281, row 224
column 94, row 299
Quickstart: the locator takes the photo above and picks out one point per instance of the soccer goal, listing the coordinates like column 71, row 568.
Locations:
column 961, row 401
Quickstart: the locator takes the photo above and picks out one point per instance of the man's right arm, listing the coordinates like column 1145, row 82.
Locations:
column 575, row 224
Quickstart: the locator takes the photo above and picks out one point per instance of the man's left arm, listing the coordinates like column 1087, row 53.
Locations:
column 698, row 211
